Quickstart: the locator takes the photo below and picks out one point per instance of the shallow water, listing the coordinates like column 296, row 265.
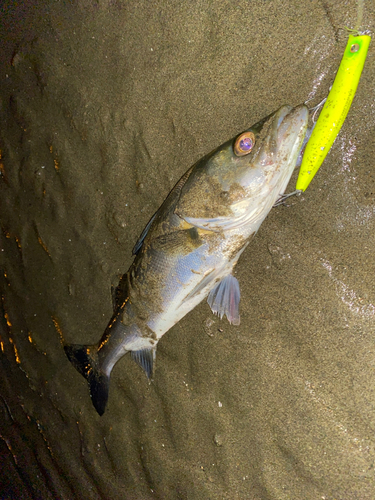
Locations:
column 103, row 107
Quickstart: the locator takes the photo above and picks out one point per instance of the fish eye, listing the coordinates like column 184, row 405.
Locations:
column 244, row 144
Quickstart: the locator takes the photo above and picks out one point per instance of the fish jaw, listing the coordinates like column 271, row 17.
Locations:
column 290, row 135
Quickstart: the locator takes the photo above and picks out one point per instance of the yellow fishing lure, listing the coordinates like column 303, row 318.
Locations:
column 335, row 109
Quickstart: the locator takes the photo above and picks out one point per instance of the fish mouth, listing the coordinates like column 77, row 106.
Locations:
column 289, row 127
column 284, row 132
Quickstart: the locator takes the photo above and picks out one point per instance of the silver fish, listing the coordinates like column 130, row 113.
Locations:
column 190, row 246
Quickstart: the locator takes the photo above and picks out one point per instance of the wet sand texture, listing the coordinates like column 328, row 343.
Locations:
column 103, row 106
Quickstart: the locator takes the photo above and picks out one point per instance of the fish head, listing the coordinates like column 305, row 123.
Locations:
column 239, row 182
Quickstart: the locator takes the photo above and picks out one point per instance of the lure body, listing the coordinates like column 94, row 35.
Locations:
column 335, row 109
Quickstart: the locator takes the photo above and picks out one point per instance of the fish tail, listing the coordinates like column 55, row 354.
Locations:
column 84, row 358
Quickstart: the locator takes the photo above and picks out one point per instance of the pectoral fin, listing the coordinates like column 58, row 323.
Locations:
column 225, row 299
column 145, row 359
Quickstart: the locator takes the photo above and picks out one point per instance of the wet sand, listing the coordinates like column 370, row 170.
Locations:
column 103, row 107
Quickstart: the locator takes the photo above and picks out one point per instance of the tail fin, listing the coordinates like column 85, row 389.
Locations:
column 84, row 359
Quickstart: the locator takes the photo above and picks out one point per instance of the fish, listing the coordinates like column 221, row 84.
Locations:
column 189, row 248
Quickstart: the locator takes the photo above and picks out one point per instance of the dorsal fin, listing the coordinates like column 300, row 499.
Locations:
column 140, row 241
column 172, row 198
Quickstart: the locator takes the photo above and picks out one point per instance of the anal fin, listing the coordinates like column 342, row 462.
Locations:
column 225, row 299
column 145, row 359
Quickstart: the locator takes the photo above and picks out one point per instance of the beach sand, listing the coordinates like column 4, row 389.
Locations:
column 103, row 106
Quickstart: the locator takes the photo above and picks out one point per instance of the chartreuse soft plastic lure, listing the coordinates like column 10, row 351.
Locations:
column 335, row 109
